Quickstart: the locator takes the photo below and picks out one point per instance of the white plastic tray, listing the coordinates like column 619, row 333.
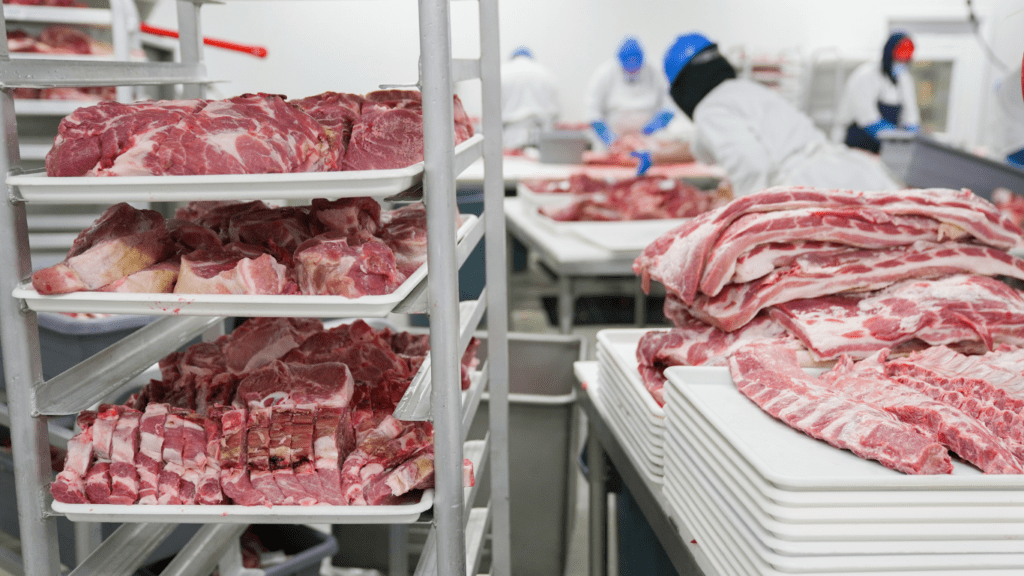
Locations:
column 844, row 539
column 712, row 505
column 652, row 439
column 621, row 347
column 597, row 393
column 234, row 514
column 228, row 304
column 704, row 433
column 684, row 433
column 619, row 236
column 38, row 187
column 627, row 382
column 554, row 200
column 631, row 434
column 792, row 460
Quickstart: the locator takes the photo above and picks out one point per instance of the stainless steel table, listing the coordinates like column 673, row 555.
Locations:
column 683, row 550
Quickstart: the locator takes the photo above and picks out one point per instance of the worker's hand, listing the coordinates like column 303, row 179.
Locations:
column 603, row 132
column 645, row 161
column 879, row 126
column 912, row 128
column 660, row 120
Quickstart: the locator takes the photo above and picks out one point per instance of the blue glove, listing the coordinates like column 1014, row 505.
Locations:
column 912, row 128
column 645, row 161
column 660, row 120
column 1017, row 158
column 603, row 132
column 877, row 127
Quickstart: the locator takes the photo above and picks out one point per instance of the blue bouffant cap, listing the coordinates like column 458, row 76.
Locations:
column 522, row 51
column 631, row 54
column 681, row 52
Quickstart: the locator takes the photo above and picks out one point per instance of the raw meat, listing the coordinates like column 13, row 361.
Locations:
column 336, row 112
column 158, row 278
column 122, row 241
column 860, row 227
column 248, row 134
column 677, row 259
column 262, row 340
column 642, row 198
column 350, row 266
column 233, row 269
column 216, row 214
column 93, row 137
column 302, row 385
column 772, row 378
column 404, row 230
column 857, row 270
column 389, row 132
column 694, row 343
column 959, row 432
column 347, row 216
column 954, row 309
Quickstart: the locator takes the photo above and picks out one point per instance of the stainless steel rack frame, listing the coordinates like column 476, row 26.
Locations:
column 457, row 536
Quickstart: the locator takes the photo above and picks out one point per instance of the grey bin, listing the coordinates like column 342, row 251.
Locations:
column 562, row 146
column 923, row 162
column 543, row 442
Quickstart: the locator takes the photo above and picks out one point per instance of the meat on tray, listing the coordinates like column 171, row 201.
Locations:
column 283, row 428
column 247, row 134
column 971, row 405
column 640, row 198
column 345, row 247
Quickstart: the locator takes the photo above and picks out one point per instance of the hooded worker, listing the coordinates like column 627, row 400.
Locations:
column 626, row 96
column 879, row 97
column 758, row 137
column 529, row 99
column 1008, row 131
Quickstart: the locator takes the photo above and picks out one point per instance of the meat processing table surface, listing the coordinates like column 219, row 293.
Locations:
column 517, row 168
column 569, row 258
column 682, row 549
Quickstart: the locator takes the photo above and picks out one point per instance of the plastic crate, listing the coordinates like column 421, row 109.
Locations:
column 562, row 147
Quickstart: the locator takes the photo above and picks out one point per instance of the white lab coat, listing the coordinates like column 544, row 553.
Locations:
column 762, row 140
column 529, row 101
column 865, row 88
column 1009, row 128
column 626, row 106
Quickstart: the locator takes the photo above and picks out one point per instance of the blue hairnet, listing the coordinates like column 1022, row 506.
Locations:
column 631, row 54
column 682, row 51
column 522, row 51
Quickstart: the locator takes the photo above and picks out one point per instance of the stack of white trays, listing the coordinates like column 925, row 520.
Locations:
column 764, row 499
column 636, row 419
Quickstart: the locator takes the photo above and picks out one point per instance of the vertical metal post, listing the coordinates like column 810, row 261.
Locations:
column 190, row 37
column 19, row 339
column 497, row 287
column 598, row 540
column 439, row 195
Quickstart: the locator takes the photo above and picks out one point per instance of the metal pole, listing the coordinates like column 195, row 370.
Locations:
column 495, row 253
column 439, row 188
column 190, row 38
column 19, row 339
column 598, row 504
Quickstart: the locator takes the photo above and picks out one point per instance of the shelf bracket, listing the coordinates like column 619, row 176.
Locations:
column 124, row 551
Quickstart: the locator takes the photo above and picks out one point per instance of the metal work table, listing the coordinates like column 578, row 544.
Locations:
column 569, row 258
column 685, row 553
column 517, row 168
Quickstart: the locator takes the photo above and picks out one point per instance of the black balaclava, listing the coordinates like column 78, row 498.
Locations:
column 706, row 70
column 887, row 59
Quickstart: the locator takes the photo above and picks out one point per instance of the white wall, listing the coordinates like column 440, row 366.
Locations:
column 356, row 45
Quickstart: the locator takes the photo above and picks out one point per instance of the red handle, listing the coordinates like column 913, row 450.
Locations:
column 258, row 51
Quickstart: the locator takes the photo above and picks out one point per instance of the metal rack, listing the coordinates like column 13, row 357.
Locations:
column 457, row 535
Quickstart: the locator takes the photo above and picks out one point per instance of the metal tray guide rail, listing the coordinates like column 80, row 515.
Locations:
column 457, row 535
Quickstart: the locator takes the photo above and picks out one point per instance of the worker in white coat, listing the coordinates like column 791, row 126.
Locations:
column 1009, row 130
column 879, row 97
column 626, row 96
column 758, row 137
column 529, row 99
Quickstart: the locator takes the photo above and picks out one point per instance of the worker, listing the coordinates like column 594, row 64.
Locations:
column 879, row 97
column 1009, row 128
column 626, row 96
column 758, row 137
column 529, row 99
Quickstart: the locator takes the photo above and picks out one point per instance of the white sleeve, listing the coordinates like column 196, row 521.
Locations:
column 726, row 138
column 910, row 114
column 597, row 95
column 861, row 97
